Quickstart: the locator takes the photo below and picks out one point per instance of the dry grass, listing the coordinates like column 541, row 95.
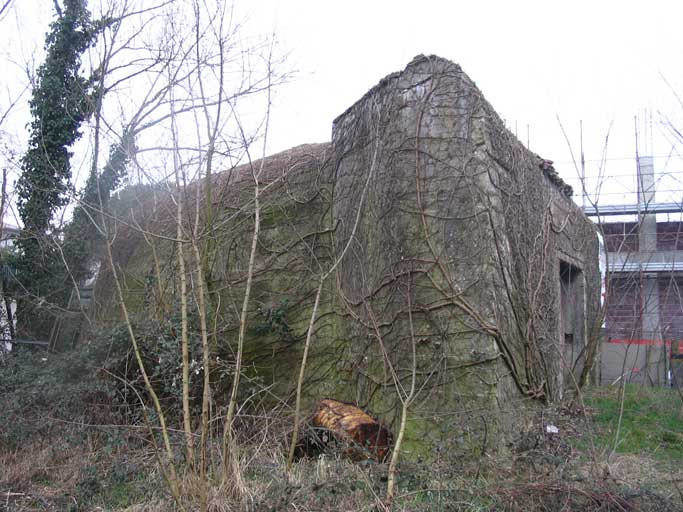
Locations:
column 38, row 474
column 48, row 480
column 543, row 473
column 161, row 505
column 31, row 467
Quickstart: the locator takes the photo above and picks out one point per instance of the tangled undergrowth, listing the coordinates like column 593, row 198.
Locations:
column 64, row 445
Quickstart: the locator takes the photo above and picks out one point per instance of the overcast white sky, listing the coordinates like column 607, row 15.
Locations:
column 597, row 61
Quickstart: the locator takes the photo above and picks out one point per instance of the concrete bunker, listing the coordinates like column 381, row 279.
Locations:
column 469, row 265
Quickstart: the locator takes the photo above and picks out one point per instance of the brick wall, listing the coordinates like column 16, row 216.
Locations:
column 624, row 308
column 623, row 236
column 620, row 236
column 670, row 236
column 671, row 306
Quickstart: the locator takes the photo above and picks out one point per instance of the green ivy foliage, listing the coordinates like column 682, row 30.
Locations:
column 41, row 389
column 160, row 348
column 60, row 104
column 83, row 235
column 274, row 321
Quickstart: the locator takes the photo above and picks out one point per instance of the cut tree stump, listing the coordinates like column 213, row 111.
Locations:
column 362, row 436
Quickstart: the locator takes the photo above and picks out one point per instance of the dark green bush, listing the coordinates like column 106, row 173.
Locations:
column 42, row 391
column 161, row 352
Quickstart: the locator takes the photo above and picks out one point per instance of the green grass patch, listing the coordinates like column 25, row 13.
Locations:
column 651, row 423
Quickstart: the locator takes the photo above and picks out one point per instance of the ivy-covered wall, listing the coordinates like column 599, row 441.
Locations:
column 454, row 292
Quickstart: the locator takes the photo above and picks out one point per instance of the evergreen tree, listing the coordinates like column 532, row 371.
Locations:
column 59, row 106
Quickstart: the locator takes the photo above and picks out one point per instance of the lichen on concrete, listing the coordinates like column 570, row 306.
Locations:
column 452, row 275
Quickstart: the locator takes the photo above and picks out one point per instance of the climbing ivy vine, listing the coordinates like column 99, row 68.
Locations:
column 83, row 235
column 60, row 104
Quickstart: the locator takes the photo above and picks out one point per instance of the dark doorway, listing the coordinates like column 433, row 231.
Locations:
column 572, row 315
column 571, row 299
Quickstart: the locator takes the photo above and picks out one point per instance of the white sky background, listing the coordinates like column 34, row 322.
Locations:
column 601, row 62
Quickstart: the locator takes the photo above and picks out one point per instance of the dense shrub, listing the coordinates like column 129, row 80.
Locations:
column 160, row 347
column 42, row 391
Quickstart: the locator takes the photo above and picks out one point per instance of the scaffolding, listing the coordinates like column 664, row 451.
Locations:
column 644, row 318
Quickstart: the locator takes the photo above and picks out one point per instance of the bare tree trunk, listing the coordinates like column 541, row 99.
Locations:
column 202, row 255
column 405, row 405
column 184, row 339
column 212, row 131
column 206, row 389
column 314, row 312
column 228, row 448
column 302, row 373
column 229, row 463
column 169, row 467
column 3, row 288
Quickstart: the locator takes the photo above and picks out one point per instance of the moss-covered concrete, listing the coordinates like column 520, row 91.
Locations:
column 452, row 276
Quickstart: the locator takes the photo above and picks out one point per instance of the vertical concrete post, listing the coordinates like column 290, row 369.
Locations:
column 655, row 351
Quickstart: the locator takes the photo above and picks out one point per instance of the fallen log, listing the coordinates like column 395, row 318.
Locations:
column 361, row 436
